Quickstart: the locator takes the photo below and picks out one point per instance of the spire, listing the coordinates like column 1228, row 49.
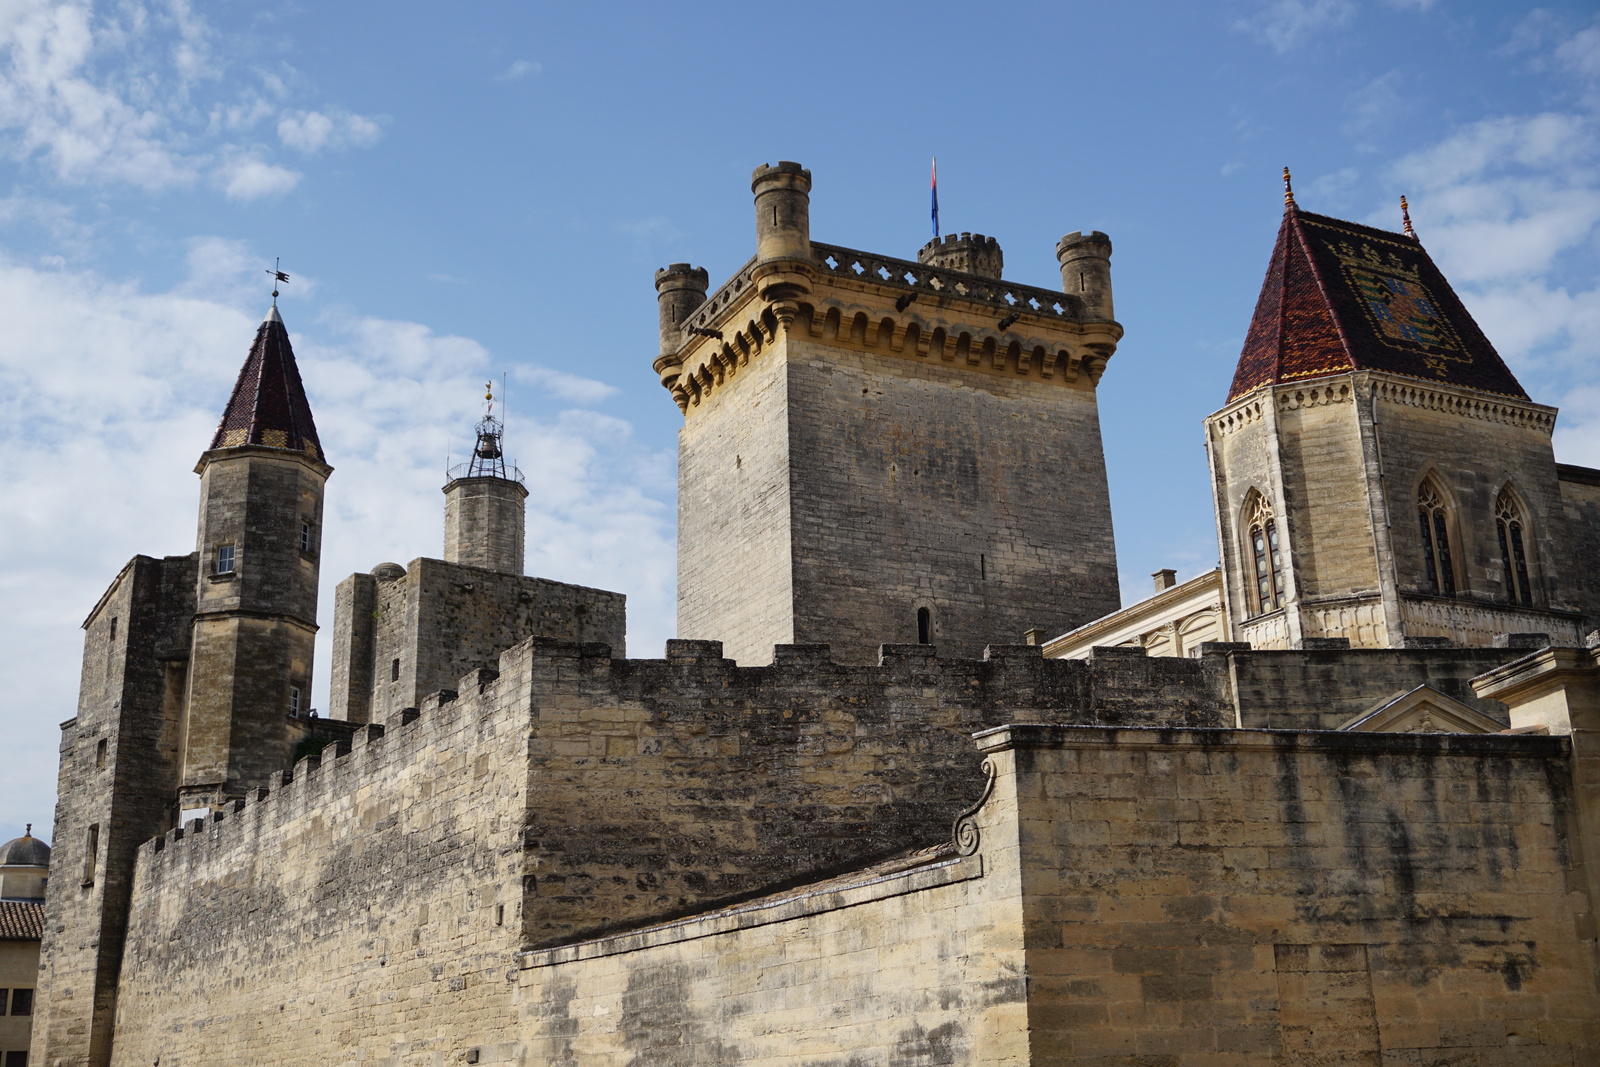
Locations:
column 1339, row 296
column 268, row 406
column 1405, row 218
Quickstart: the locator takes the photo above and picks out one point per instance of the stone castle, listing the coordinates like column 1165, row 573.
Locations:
column 911, row 789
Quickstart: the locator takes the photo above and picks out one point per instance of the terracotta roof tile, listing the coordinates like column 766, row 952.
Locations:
column 21, row 920
column 1340, row 296
column 268, row 406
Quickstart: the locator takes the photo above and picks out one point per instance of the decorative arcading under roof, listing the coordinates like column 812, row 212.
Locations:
column 1340, row 296
column 268, row 406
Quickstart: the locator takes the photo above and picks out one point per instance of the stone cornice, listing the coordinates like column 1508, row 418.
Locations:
column 1392, row 388
column 890, row 307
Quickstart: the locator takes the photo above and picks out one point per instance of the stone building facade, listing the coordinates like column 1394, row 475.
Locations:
column 849, row 818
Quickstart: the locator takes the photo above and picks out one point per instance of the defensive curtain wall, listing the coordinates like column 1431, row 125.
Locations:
column 576, row 857
column 1143, row 897
column 565, row 796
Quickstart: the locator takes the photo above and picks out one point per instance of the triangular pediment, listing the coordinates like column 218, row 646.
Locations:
column 1423, row 710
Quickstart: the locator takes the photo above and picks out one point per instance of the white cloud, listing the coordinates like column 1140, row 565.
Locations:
column 313, row 131
column 1375, row 106
column 1510, row 207
column 248, row 177
column 108, row 393
column 518, row 70
column 1287, row 24
column 109, row 93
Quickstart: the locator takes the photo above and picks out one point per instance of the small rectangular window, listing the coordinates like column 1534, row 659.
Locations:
column 394, row 670
column 17, row 1059
column 305, row 537
column 113, row 636
column 91, row 852
column 100, row 753
column 224, row 559
column 499, row 914
column 294, row 701
column 22, row 1002
column 4, row 994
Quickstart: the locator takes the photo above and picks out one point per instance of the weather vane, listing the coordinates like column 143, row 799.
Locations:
column 277, row 276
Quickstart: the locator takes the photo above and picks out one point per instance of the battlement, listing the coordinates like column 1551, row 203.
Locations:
column 969, row 253
column 848, row 763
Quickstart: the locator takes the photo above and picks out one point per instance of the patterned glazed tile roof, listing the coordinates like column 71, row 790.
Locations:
column 268, row 406
column 21, row 920
column 1340, row 296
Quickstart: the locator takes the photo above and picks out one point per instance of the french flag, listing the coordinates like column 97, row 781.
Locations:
column 936, row 197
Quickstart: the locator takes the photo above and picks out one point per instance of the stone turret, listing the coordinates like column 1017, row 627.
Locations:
column 1086, row 271
column 970, row 253
column 260, row 536
column 485, row 520
column 680, row 289
column 783, row 211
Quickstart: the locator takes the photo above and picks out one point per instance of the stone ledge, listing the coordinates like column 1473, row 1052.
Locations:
column 1046, row 735
column 797, row 904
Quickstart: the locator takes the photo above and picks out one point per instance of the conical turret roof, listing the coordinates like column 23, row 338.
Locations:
column 1340, row 296
column 268, row 406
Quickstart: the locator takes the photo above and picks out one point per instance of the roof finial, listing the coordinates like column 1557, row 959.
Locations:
column 277, row 276
column 1405, row 218
column 1288, row 192
column 488, row 399
column 29, row 831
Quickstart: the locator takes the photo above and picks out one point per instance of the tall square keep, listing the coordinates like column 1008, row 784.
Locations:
column 876, row 449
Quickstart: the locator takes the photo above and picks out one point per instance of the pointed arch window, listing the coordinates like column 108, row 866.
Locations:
column 1512, row 529
column 1433, row 519
column 1265, row 555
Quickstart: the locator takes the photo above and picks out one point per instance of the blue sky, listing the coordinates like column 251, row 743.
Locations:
column 469, row 190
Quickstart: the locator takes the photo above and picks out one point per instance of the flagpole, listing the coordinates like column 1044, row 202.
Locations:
column 935, row 198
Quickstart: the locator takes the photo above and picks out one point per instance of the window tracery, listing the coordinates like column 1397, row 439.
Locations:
column 1266, row 557
column 1434, row 520
column 1511, row 527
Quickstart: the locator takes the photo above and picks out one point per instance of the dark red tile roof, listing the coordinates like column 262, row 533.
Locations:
column 268, row 406
column 1340, row 296
column 21, row 920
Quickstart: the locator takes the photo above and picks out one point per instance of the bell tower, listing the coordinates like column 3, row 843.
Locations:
column 259, row 547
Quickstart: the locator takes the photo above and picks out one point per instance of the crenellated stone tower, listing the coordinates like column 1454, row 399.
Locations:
column 1379, row 473
column 879, row 450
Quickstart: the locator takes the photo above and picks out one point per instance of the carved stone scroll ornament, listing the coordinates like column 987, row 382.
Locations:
column 964, row 834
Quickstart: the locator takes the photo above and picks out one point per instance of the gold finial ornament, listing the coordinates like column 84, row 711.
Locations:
column 1405, row 219
column 1288, row 190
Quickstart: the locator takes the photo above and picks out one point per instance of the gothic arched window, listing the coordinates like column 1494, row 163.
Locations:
column 1266, row 559
column 1433, row 518
column 1512, row 528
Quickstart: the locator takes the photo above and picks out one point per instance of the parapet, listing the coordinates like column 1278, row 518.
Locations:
column 970, row 253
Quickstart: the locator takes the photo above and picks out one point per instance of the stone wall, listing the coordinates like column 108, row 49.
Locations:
column 702, row 781
column 409, row 632
column 735, row 578
column 1580, row 569
column 365, row 911
column 897, row 967
column 1234, row 897
column 118, row 775
column 1140, row 897
column 923, row 484
column 1322, row 689
column 384, row 890
column 485, row 523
